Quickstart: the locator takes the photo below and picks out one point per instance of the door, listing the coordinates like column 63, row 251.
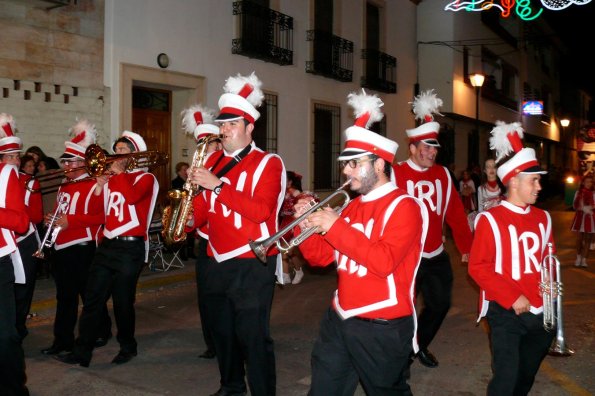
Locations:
column 151, row 118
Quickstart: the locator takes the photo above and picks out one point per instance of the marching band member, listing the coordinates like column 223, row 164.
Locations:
column 433, row 185
column 377, row 240
column 244, row 188
column 198, row 121
column 81, row 216
column 13, row 218
column 509, row 246
column 130, row 199
column 29, row 241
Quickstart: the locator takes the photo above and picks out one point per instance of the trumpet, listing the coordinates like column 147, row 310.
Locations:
column 52, row 232
column 260, row 248
column 97, row 164
column 551, row 289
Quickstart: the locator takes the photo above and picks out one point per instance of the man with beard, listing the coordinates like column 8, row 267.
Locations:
column 433, row 185
column 368, row 333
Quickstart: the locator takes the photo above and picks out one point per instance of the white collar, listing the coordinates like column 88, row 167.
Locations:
column 416, row 167
column 516, row 209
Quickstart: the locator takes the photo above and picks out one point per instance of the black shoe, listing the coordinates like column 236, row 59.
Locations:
column 102, row 341
column 222, row 392
column 426, row 358
column 123, row 357
column 208, row 354
column 71, row 358
column 55, row 349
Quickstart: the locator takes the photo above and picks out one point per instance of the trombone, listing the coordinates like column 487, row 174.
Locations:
column 260, row 248
column 97, row 164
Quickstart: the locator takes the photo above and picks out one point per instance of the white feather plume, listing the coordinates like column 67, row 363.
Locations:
column 189, row 122
column 426, row 104
column 364, row 103
column 90, row 133
column 235, row 84
column 6, row 119
column 499, row 140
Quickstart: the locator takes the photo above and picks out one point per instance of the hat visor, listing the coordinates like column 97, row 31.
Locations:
column 351, row 154
column 70, row 156
column 431, row 142
column 534, row 170
column 223, row 117
column 11, row 151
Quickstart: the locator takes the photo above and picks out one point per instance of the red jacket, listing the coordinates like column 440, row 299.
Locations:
column 509, row 246
column 33, row 204
column 435, row 188
column 247, row 207
column 13, row 215
column 377, row 243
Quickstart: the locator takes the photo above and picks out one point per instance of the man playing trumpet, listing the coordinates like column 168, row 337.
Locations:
column 79, row 220
column 129, row 196
column 506, row 262
column 377, row 240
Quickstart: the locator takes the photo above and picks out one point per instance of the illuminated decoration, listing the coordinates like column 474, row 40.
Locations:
column 523, row 8
column 533, row 107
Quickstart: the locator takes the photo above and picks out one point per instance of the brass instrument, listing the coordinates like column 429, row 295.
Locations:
column 52, row 232
column 260, row 248
column 97, row 164
column 551, row 289
column 175, row 215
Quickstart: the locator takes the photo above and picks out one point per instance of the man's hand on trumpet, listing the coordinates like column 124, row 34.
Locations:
column 323, row 218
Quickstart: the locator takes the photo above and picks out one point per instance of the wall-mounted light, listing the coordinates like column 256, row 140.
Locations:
column 163, row 60
column 564, row 122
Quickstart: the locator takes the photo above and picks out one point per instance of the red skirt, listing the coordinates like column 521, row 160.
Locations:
column 583, row 222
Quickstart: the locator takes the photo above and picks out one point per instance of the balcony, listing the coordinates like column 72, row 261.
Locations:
column 380, row 71
column 332, row 56
column 265, row 34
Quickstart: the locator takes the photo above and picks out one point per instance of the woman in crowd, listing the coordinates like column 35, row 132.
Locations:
column 584, row 220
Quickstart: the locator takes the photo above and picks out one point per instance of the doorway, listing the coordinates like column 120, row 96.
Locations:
column 151, row 118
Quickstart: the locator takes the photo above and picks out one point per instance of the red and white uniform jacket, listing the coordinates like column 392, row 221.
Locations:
column 129, row 203
column 434, row 187
column 33, row 205
column 505, row 261
column 13, row 216
column 84, row 211
column 247, row 207
column 377, row 243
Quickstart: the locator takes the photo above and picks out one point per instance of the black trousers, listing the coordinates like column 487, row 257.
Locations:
column 71, row 271
column 12, row 360
column 519, row 345
column 238, row 294
column 23, row 293
column 201, row 266
column 349, row 351
column 115, row 269
column 434, row 282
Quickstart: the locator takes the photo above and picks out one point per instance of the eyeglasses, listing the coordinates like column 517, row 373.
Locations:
column 69, row 162
column 355, row 162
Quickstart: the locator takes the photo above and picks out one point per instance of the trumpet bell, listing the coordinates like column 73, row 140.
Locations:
column 95, row 160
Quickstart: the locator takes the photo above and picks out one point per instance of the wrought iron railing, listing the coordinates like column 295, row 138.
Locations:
column 265, row 34
column 380, row 71
column 332, row 56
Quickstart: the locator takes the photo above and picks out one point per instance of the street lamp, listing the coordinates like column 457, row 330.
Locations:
column 564, row 122
column 477, row 80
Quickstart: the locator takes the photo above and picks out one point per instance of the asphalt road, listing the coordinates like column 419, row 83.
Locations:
column 170, row 340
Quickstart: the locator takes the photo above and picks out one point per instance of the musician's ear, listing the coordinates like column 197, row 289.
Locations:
column 249, row 128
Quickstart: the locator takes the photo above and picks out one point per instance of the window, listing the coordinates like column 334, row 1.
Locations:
column 265, row 128
column 326, row 145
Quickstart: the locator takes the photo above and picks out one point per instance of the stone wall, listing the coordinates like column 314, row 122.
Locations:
column 51, row 69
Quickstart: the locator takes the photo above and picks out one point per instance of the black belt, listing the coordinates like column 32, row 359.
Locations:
column 128, row 238
column 380, row 321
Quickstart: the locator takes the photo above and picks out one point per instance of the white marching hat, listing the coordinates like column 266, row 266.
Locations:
column 137, row 141
column 425, row 105
column 83, row 135
column 9, row 143
column 506, row 139
column 241, row 98
column 359, row 140
column 197, row 121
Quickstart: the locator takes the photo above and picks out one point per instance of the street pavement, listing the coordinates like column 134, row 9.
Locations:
column 170, row 339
